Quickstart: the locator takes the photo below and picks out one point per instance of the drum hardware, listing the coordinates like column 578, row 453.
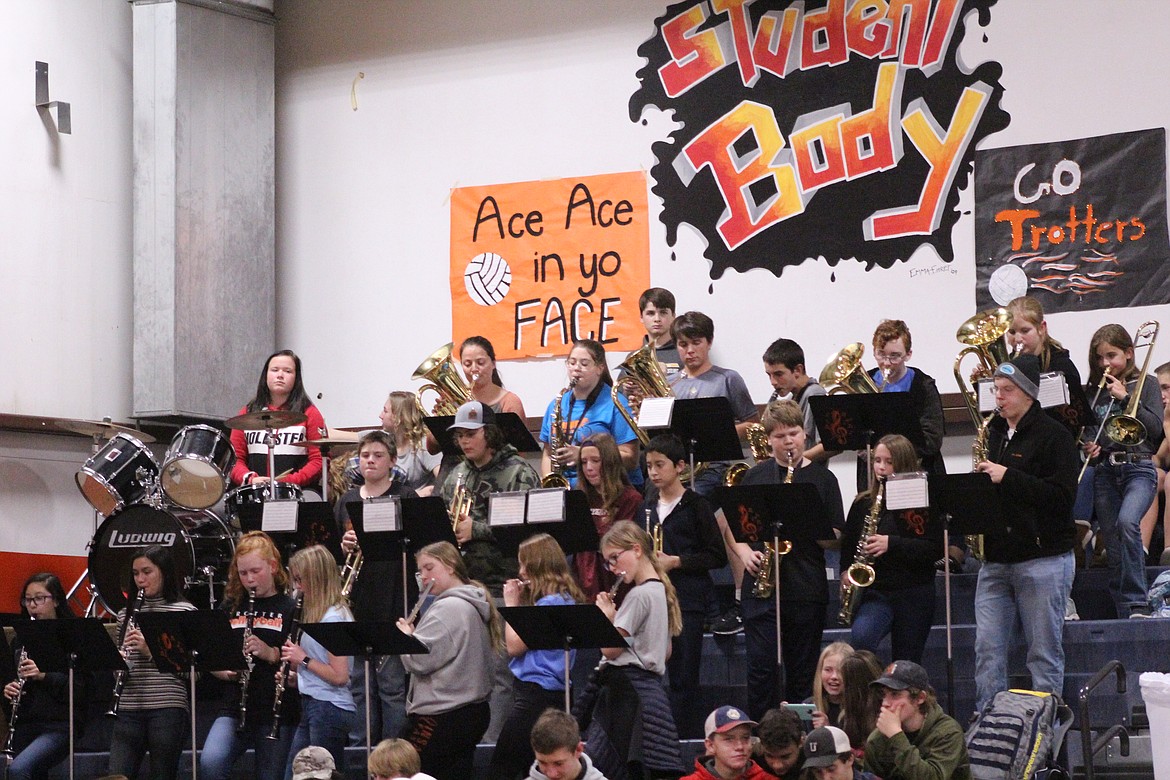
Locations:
column 333, row 438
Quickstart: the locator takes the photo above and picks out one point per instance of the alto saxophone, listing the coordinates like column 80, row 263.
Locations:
column 860, row 573
column 8, row 749
column 246, row 674
column 979, row 453
column 556, row 440
column 766, row 581
column 282, row 675
column 128, row 625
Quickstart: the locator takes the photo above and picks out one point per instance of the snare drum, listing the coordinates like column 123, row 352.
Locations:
column 200, row 542
column 248, row 500
column 109, row 480
column 196, row 467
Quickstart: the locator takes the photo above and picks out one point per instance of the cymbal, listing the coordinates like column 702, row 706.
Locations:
column 337, row 444
column 103, row 429
column 263, row 420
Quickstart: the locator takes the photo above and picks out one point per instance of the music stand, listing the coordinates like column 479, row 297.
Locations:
column 564, row 627
column 315, row 525
column 969, row 502
column 577, row 533
column 438, row 426
column 707, row 427
column 855, row 421
column 364, row 639
column 791, row 512
column 192, row 641
column 82, row 644
column 516, row 432
column 388, row 545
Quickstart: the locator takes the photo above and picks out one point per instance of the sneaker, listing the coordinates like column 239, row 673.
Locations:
column 1141, row 612
column 730, row 623
column 1070, row 610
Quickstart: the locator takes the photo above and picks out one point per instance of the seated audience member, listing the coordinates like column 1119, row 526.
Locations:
column 827, row 756
column 914, row 737
column 778, row 748
column 315, row 763
column 560, row 753
column 729, row 748
column 395, row 758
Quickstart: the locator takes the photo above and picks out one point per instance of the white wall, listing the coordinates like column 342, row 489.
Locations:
column 459, row 93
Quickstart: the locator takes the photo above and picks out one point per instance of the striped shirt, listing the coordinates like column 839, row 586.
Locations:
column 147, row 688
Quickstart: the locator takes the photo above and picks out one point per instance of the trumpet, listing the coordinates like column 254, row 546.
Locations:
column 460, row 504
column 766, row 580
column 1126, row 429
column 439, row 369
column 129, row 624
column 557, row 440
column 283, row 674
column 350, row 570
column 246, row 674
column 655, row 533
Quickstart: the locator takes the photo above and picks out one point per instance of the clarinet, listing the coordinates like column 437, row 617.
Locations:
column 8, row 751
column 294, row 635
column 246, row 674
column 127, row 625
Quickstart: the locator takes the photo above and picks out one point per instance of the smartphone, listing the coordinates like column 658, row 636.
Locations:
column 804, row 712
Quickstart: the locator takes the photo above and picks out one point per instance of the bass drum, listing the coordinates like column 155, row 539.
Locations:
column 196, row 467
column 202, row 546
column 110, row 480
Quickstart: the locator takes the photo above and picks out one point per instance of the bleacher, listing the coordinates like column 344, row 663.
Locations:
column 1090, row 643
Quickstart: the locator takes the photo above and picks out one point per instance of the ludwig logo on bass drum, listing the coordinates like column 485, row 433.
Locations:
column 123, row 539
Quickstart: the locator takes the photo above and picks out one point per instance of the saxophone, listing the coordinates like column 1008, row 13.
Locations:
column 8, row 750
column 246, row 674
column 766, row 581
column 556, row 440
column 860, row 573
column 979, row 453
column 128, row 625
column 282, row 675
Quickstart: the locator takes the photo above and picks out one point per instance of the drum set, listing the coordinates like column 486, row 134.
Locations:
column 185, row 504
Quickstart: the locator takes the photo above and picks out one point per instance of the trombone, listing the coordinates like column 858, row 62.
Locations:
column 1126, row 429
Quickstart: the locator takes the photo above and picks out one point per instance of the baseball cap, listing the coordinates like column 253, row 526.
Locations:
column 313, row 763
column 901, row 675
column 472, row 416
column 823, row 745
column 1024, row 371
column 725, row 719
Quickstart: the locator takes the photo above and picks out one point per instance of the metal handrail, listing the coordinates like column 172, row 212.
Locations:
column 1090, row 747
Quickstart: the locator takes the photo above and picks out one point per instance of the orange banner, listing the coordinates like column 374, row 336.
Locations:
column 536, row 265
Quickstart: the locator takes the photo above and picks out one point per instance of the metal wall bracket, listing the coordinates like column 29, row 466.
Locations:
column 60, row 109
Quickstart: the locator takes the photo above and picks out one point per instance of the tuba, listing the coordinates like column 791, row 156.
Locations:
column 982, row 336
column 1125, row 428
column 642, row 374
column 439, row 369
column 844, row 372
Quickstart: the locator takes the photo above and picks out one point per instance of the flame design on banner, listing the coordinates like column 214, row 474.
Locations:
column 815, row 129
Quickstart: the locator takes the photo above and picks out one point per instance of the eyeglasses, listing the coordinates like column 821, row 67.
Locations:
column 890, row 357
column 612, row 561
column 39, row 599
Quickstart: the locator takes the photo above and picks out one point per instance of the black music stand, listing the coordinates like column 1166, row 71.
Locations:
column 315, row 525
column 79, row 645
column 576, row 534
column 707, row 427
column 787, row 512
column 564, row 627
column 192, row 641
column 516, row 432
column 969, row 503
column 364, row 640
column 438, row 425
column 855, row 421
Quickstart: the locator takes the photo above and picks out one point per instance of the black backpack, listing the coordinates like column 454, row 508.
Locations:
column 1017, row 736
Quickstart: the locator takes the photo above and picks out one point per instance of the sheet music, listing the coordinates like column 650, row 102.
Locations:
column 506, row 508
column 906, row 491
column 985, row 389
column 280, row 516
column 546, row 505
column 656, row 412
column 1053, row 390
column 383, row 514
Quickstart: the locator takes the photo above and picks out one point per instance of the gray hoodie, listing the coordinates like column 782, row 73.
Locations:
column 458, row 669
column 590, row 772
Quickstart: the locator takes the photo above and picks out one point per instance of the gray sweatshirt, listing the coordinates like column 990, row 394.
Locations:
column 458, row 669
column 588, row 771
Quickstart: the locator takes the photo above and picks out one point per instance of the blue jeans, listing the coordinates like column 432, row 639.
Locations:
column 906, row 615
column 164, row 732
column 1122, row 495
column 325, row 725
column 36, row 756
column 1031, row 595
column 387, row 698
column 224, row 746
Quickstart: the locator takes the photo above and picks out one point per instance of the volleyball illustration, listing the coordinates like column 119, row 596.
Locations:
column 487, row 278
column 1007, row 283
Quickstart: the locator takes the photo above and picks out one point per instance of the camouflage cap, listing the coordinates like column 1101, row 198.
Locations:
column 313, row 763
